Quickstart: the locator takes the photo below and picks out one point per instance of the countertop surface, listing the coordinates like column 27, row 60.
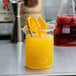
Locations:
column 12, row 61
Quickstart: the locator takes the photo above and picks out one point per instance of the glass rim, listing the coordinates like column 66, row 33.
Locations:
column 46, row 30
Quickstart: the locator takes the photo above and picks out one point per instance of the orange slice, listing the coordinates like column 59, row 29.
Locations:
column 43, row 25
column 33, row 26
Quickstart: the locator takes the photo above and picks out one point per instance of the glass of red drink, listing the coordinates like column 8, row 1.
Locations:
column 65, row 32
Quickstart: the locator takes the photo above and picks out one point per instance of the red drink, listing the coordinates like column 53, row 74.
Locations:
column 65, row 32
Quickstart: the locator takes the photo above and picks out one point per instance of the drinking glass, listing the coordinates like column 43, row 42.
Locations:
column 39, row 49
column 65, row 32
column 51, row 9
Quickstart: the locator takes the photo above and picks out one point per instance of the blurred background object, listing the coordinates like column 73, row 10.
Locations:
column 31, row 8
column 6, row 19
column 50, row 8
column 17, row 35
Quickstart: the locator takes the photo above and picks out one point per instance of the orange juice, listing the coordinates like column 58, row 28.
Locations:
column 39, row 51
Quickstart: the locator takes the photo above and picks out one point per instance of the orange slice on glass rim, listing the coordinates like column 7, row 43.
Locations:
column 33, row 25
column 43, row 25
